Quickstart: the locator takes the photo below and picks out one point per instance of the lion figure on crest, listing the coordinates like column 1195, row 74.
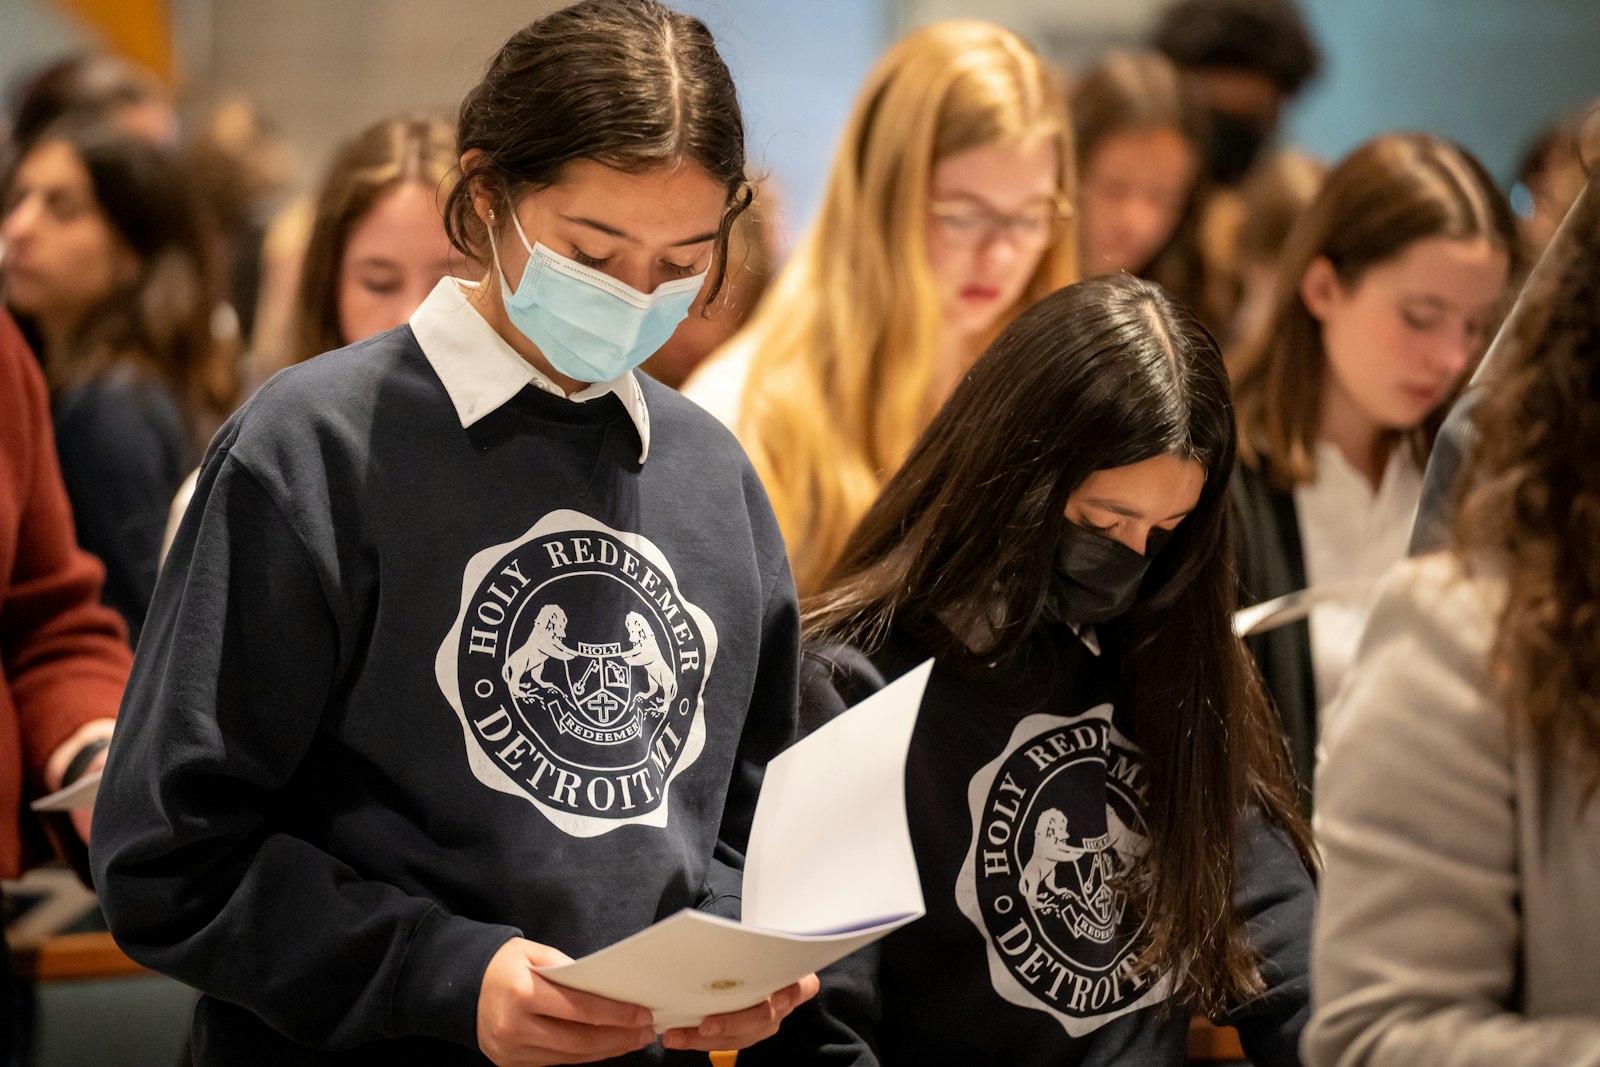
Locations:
column 645, row 653
column 547, row 642
column 1038, row 880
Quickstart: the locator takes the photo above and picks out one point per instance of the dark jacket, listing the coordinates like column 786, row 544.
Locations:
column 124, row 452
column 1271, row 564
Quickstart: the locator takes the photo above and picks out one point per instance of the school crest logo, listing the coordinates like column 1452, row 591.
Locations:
column 577, row 669
column 1057, row 823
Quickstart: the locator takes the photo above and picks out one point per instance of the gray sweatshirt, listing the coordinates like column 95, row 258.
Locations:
column 1459, row 914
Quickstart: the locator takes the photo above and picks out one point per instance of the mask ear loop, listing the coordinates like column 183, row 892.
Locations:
column 494, row 249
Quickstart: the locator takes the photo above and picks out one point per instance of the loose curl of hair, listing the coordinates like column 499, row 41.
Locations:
column 1532, row 512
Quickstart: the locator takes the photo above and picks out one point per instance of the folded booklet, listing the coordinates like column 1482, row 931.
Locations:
column 829, row 869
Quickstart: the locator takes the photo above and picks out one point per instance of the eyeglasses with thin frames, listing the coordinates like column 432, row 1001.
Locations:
column 968, row 224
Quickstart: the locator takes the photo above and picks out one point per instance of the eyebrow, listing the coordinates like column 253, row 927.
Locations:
column 1127, row 512
column 612, row 231
column 1043, row 199
column 1428, row 299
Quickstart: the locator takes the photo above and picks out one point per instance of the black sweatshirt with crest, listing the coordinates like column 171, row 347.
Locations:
column 410, row 688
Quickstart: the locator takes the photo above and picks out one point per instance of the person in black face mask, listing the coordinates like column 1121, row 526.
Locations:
column 1100, row 811
column 1248, row 58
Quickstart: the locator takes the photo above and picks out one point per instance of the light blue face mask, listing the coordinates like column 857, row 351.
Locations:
column 590, row 326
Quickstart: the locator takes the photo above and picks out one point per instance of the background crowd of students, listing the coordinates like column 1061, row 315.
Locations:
column 1340, row 307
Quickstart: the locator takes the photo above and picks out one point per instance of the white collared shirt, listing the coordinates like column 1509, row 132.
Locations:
column 480, row 372
column 1351, row 535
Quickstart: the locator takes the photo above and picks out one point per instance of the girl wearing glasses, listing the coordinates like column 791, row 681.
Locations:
column 948, row 211
column 1099, row 806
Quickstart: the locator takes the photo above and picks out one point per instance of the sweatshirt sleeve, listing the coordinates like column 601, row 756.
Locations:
column 837, row 1027
column 1419, row 928
column 197, row 879
column 1275, row 898
column 770, row 727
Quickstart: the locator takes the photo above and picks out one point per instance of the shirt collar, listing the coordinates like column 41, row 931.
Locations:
column 481, row 373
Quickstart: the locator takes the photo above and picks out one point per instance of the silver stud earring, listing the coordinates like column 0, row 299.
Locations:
column 491, row 214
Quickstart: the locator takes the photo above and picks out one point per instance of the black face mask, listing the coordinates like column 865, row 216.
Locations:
column 1097, row 578
column 1235, row 143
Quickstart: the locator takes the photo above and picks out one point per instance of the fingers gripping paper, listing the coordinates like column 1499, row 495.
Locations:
column 830, row 869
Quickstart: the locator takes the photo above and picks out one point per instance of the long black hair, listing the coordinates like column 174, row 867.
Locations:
column 628, row 83
column 961, row 544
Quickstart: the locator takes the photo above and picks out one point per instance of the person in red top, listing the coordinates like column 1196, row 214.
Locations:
column 63, row 656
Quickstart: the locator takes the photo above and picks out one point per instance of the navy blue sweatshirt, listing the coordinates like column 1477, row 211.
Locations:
column 1025, row 796
column 410, row 688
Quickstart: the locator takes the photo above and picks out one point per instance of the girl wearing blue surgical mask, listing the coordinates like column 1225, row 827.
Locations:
column 1100, row 811
column 473, row 643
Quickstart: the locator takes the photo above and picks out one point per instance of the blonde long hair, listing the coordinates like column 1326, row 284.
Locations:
column 843, row 350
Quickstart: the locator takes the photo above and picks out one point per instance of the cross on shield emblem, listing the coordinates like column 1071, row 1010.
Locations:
column 600, row 683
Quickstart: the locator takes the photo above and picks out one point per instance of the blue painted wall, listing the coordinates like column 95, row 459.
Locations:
column 1487, row 73
column 798, row 66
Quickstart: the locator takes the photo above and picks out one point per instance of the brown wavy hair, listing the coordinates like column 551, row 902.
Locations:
column 1532, row 513
column 1097, row 375
column 1389, row 193
column 159, row 323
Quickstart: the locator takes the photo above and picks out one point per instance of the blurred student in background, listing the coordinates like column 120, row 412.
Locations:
column 94, row 87
column 948, row 210
column 106, row 270
column 1552, row 173
column 377, row 246
column 65, row 654
column 240, row 165
column 1279, row 190
column 1391, row 284
column 1459, row 803
column 1141, row 142
column 1249, row 59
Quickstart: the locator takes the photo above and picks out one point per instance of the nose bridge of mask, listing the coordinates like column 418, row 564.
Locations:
column 590, row 326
